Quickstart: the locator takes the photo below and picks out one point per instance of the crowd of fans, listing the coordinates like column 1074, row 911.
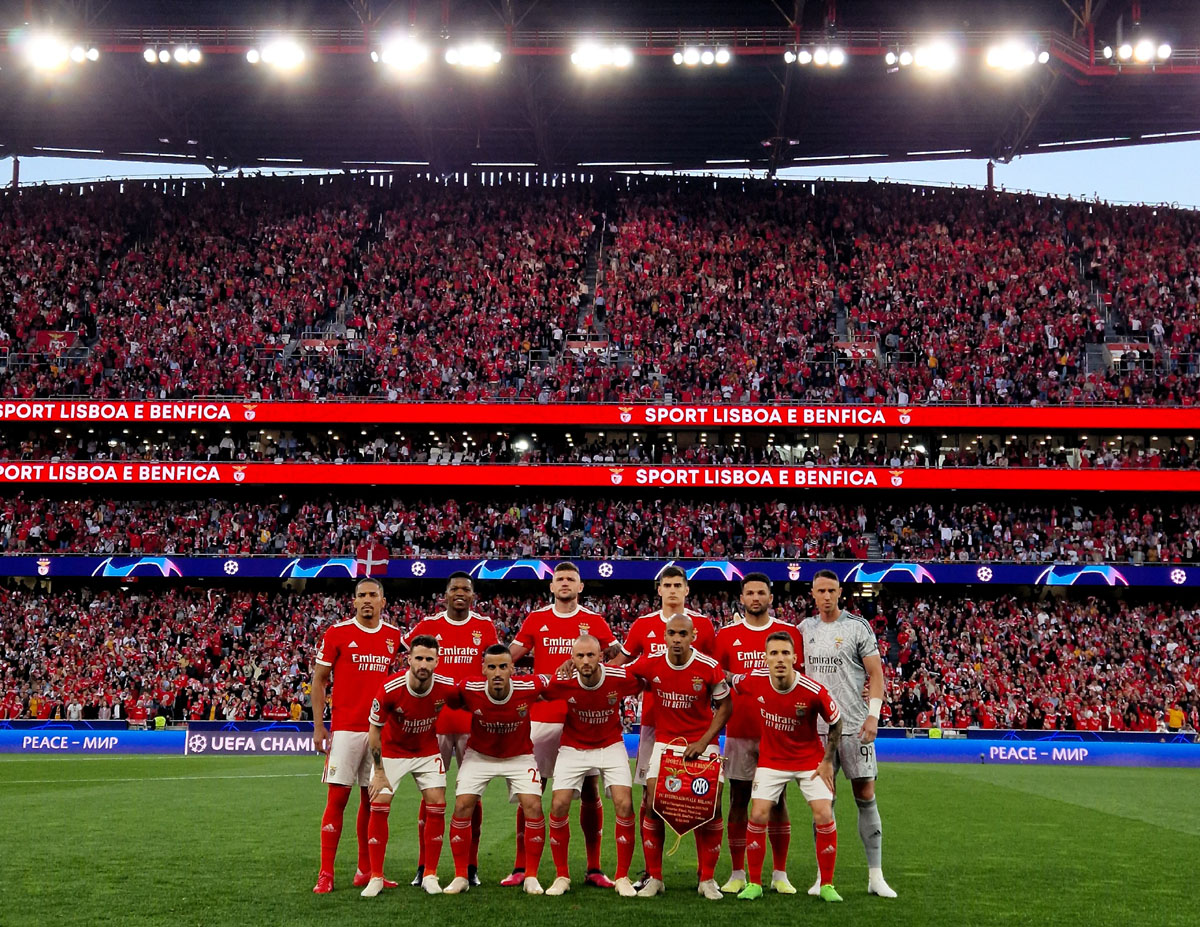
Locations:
column 703, row 290
column 1078, row 664
column 664, row 526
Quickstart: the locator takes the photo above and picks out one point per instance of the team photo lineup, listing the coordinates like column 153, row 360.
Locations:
column 639, row 454
column 768, row 684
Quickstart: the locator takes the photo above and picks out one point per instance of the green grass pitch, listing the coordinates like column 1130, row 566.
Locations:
column 180, row 841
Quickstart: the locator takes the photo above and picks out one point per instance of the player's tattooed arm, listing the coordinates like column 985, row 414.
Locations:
column 825, row 770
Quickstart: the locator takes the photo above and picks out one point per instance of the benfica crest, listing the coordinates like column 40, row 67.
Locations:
column 248, row 410
column 801, row 710
column 697, row 684
column 476, row 638
column 897, row 477
column 43, row 566
column 583, row 629
column 391, row 646
column 905, row 416
column 239, row 473
column 613, row 697
column 626, row 414
column 793, row 571
column 522, row 710
column 616, row 474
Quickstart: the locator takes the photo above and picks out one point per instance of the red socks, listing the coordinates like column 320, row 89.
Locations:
column 421, row 835
column 626, row 836
column 591, row 821
column 432, row 834
column 460, row 845
column 652, row 843
column 708, row 847
column 535, row 842
column 377, row 838
column 826, row 850
column 476, row 829
column 519, row 859
column 364, row 823
column 331, row 824
column 781, row 839
column 756, row 852
column 560, row 845
column 737, row 843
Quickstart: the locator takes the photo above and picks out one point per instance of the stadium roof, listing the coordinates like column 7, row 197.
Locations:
column 534, row 109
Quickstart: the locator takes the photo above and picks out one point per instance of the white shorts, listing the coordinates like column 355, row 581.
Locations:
column 656, row 757
column 855, row 759
column 741, row 758
column 452, row 746
column 645, row 749
column 546, row 737
column 520, row 772
column 574, row 765
column 770, row 783
column 427, row 771
column 349, row 761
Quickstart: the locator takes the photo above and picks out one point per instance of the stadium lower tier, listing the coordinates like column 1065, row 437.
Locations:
column 1064, row 661
column 511, row 525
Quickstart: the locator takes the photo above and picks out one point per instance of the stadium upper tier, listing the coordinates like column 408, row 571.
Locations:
column 629, row 291
column 548, row 526
column 1088, row 663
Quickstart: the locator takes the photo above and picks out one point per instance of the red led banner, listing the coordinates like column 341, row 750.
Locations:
column 824, row 478
column 967, row 418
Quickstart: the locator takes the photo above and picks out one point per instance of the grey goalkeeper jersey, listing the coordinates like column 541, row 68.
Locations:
column 833, row 656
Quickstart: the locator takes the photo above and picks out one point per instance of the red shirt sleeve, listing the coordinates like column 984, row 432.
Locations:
column 827, row 707
column 327, row 653
column 633, row 645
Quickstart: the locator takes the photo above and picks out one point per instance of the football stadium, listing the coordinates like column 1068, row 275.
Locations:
column 477, row 464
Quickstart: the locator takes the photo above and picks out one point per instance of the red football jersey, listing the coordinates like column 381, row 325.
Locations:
column 500, row 729
column 789, row 720
column 459, row 657
column 683, row 695
column 360, row 659
column 407, row 718
column 551, row 637
column 646, row 638
column 594, row 715
column 740, row 650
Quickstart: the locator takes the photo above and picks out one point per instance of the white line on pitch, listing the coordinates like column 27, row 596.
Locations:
column 155, row 778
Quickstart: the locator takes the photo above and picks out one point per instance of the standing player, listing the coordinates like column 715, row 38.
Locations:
column 791, row 751
column 462, row 637
column 402, row 742
column 551, row 634
column 647, row 637
column 592, row 739
column 686, row 684
column 740, row 650
column 841, row 653
column 358, row 654
column 499, row 747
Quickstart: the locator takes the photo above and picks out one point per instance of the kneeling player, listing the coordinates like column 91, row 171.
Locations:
column 791, row 751
column 498, row 747
column 592, row 740
column 402, row 742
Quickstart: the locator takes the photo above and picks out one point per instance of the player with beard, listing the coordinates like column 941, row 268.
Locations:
column 462, row 636
column 740, row 650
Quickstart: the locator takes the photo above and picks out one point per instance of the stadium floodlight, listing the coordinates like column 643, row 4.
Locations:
column 151, row 56
column 1043, row 57
column 1143, row 51
column 1011, row 55
column 789, row 57
column 804, row 56
column 723, row 56
column 1164, row 51
column 691, row 57
column 936, row 56
column 591, row 57
column 821, row 57
column 890, row 59
column 906, row 59
column 1108, row 51
column 402, row 53
column 476, row 55
column 678, row 57
column 46, row 52
column 283, row 54
column 707, row 57
column 837, row 57
column 180, row 54
column 194, row 56
column 164, row 56
column 1125, row 52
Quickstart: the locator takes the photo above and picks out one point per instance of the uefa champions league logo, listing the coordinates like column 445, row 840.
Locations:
column 197, row 743
column 606, row 570
column 231, row 567
column 1178, row 576
column 984, row 574
column 418, row 569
